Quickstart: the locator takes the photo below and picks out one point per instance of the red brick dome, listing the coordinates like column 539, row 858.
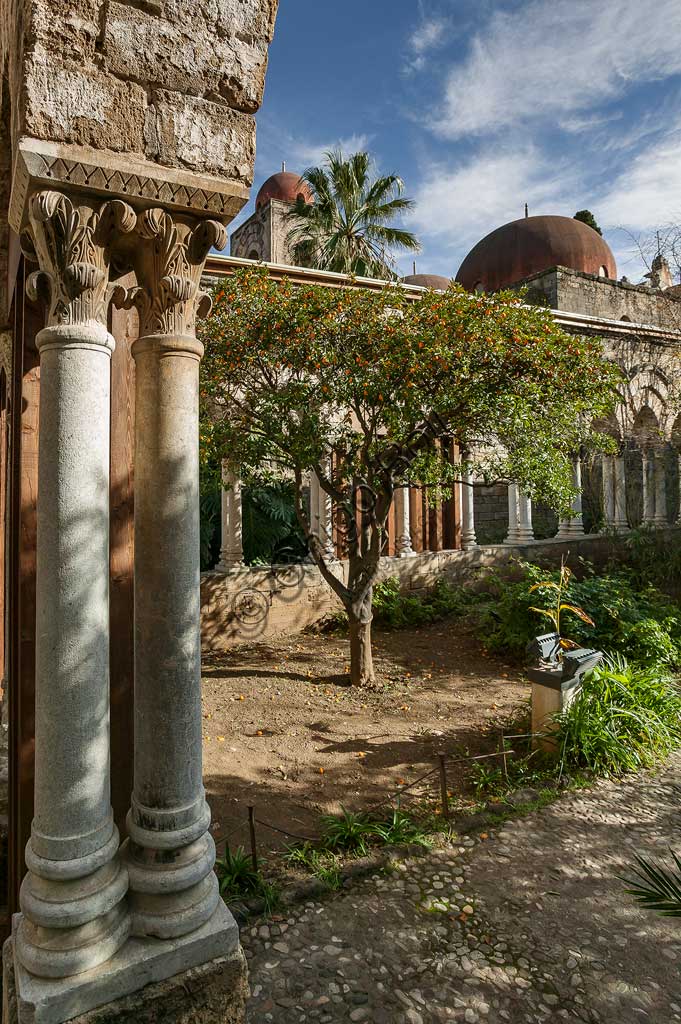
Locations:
column 434, row 281
column 284, row 186
column 529, row 246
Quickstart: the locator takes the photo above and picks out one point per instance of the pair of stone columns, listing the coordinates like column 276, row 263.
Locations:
column 321, row 514
column 614, row 492
column 83, row 896
column 654, row 488
column 520, row 529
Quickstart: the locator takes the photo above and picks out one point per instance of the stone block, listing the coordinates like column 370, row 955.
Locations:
column 203, row 136
column 214, row 993
column 83, row 107
column 113, row 993
column 219, row 52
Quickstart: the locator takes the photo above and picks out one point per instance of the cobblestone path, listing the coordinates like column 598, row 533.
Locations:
column 530, row 924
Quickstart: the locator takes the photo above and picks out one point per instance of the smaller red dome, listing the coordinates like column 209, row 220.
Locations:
column 284, row 186
column 434, row 281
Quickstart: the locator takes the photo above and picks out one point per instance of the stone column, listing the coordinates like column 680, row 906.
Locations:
column 620, row 521
column 74, row 915
column 170, row 852
column 660, row 489
column 525, row 530
column 513, row 535
column 468, row 537
column 647, row 488
column 573, row 526
column 231, row 550
column 607, row 470
column 403, row 547
column 325, row 516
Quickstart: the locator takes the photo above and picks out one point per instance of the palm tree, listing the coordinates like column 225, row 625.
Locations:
column 347, row 227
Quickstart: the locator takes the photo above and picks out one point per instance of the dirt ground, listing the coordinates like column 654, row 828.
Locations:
column 284, row 732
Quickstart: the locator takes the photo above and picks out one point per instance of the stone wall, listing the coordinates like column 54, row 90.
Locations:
column 264, row 235
column 575, row 292
column 248, row 605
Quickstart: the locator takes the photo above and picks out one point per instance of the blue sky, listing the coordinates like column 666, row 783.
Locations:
column 483, row 105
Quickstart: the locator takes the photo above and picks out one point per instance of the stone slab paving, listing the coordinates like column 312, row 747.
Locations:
column 528, row 925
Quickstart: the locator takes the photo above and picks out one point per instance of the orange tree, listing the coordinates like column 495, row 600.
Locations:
column 292, row 374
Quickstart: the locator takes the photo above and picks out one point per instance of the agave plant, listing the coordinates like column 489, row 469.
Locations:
column 561, row 605
column 656, row 887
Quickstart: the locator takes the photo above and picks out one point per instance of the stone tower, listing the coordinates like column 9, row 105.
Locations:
column 264, row 235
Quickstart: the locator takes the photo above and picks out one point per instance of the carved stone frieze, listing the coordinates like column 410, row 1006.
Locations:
column 169, row 261
column 71, row 241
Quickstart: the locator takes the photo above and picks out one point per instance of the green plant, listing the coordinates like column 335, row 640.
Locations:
column 554, row 613
column 347, row 831
column 239, row 880
column 486, row 779
column 624, row 717
column 656, row 887
column 643, row 624
column 400, row 828
column 397, row 610
column 271, row 533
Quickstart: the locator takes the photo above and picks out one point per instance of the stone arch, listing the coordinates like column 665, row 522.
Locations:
column 645, row 429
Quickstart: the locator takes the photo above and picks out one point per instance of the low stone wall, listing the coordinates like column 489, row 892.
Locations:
column 257, row 603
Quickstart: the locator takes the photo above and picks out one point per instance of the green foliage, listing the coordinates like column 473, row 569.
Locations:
column 587, row 217
column 239, row 880
column 653, row 559
column 322, row 863
column 656, row 887
column 487, row 778
column 348, row 228
column 210, row 512
column 271, row 532
column 400, row 829
column 347, row 831
column 643, row 625
column 403, row 611
column 624, row 718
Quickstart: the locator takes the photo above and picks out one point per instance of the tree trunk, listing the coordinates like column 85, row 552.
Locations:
column 361, row 661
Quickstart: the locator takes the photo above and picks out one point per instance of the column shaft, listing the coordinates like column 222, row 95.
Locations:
column 468, row 537
column 171, row 853
column 620, row 521
column 660, row 490
column 403, row 546
column 573, row 526
column 525, row 530
column 513, row 536
column 231, row 550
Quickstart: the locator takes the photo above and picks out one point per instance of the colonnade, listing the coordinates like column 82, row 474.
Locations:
column 614, row 488
column 84, row 895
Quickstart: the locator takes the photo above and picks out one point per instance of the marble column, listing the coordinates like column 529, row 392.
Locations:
column 525, row 529
column 647, row 488
column 573, row 525
column 231, row 549
column 325, row 516
column 608, row 479
column 170, row 852
column 403, row 547
column 620, row 521
column 74, row 915
column 660, row 489
column 468, row 537
column 513, row 535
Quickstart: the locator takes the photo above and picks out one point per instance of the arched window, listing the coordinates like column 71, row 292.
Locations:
column 626, row 319
column 603, row 271
column 254, row 254
column 479, row 288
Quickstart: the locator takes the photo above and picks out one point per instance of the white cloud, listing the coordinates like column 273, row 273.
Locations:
column 645, row 195
column 311, row 154
column 553, row 58
column 456, row 207
column 430, row 34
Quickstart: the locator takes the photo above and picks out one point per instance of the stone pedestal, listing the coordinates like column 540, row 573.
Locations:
column 201, row 979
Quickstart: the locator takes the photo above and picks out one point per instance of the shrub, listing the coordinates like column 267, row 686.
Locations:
column 239, row 880
column 643, row 625
column 402, row 611
column 624, row 718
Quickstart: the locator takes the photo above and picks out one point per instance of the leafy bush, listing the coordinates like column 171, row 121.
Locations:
column 402, row 611
column 271, row 534
column 642, row 625
column 624, row 718
column 347, row 831
column 239, row 880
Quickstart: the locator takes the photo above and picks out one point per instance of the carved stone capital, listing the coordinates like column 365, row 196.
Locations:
column 71, row 242
column 169, row 260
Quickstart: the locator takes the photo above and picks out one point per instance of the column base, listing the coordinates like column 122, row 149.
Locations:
column 139, row 982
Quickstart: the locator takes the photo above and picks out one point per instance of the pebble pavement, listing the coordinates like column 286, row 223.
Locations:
column 530, row 924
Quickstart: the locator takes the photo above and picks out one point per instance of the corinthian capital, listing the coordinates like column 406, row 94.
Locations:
column 72, row 245
column 169, row 262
